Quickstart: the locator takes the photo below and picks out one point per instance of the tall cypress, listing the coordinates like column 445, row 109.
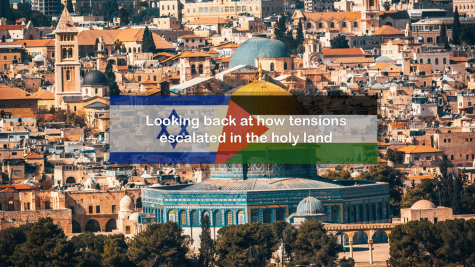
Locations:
column 69, row 6
column 280, row 30
column 456, row 28
column 299, row 38
column 148, row 45
column 207, row 248
column 110, row 75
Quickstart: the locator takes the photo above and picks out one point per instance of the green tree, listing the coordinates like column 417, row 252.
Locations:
column 89, row 248
column 313, row 246
column 286, row 235
column 245, row 245
column 148, row 45
column 115, row 252
column 117, row 44
column 413, row 244
column 124, row 16
column 337, row 175
column 339, row 41
column 344, row 262
column 467, row 35
column 299, row 37
column 207, row 247
column 388, row 175
column 443, row 36
column 110, row 75
column 426, row 190
column 445, row 184
column 394, row 156
column 159, row 244
column 280, row 29
column 387, row 6
column 457, row 189
column 69, row 6
column 9, row 239
column 45, row 245
column 456, row 28
column 96, row 44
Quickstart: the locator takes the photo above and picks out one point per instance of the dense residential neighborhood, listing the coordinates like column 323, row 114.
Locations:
column 61, row 62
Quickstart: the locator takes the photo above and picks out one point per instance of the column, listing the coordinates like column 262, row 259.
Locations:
column 370, row 245
column 351, row 248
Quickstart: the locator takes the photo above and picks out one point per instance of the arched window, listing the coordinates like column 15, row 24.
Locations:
column 436, row 61
column 130, row 50
column 135, row 50
column 285, row 65
column 229, row 218
column 418, row 50
column 240, row 217
column 422, row 61
column 68, row 75
column 332, row 24
column 309, row 25
column 70, row 53
column 217, row 219
column 182, row 218
column 271, row 66
column 65, row 53
column 211, row 9
column 194, row 218
column 444, row 61
column 320, row 25
column 200, row 69
column 193, row 70
column 171, row 216
column 428, row 61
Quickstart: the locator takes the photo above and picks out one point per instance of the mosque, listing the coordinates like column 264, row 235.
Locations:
column 247, row 193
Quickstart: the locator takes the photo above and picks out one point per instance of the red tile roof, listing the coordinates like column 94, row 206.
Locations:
column 332, row 15
column 7, row 92
column 342, row 51
column 34, row 155
column 388, row 30
column 12, row 27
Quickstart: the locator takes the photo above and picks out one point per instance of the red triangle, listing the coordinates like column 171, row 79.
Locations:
column 228, row 149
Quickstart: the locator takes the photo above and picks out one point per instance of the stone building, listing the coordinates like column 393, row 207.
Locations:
column 426, row 210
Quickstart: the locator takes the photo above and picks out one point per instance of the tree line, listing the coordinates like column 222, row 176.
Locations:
column 44, row 244
column 422, row 243
column 287, row 36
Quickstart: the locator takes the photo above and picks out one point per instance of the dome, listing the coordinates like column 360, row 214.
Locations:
column 90, row 181
column 95, row 78
column 38, row 58
column 284, row 104
column 383, row 59
column 310, row 205
column 257, row 47
column 134, row 217
column 126, row 204
column 274, row 49
column 423, row 205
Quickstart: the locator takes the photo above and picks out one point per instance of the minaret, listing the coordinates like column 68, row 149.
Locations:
column 67, row 66
column 407, row 50
column 101, row 55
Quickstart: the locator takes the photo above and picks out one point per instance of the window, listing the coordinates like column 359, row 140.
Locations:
column 1, row 206
column 98, row 209
column 450, row 140
column 241, row 217
column 444, row 61
column 127, row 229
column 114, row 209
column 428, row 158
column 320, row 25
column 193, row 69
column 96, row 91
column 332, row 25
column 68, row 75
column 75, row 109
column 183, row 218
column 422, row 61
column 343, row 24
column 416, row 157
column 285, row 65
column 271, row 66
column 140, row 78
column 309, row 25
column 355, row 24
column 466, row 156
column 27, row 205
column 451, row 157
column 70, row 53
column 200, row 69
column 428, row 61
column 229, row 218
column 171, row 216
column 91, row 210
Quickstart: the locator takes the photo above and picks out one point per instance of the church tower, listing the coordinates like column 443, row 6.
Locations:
column 370, row 15
column 67, row 66
column 101, row 55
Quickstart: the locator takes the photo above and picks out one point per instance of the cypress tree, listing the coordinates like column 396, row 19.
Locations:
column 69, row 6
column 207, row 246
column 443, row 36
column 148, row 45
column 299, row 38
column 110, row 75
column 456, row 28
column 280, row 30
column 3, row 39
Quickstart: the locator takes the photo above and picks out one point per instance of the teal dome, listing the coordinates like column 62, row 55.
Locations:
column 309, row 206
column 383, row 59
column 253, row 48
column 274, row 49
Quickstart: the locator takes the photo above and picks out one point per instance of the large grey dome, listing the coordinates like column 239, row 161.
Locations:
column 95, row 78
column 274, row 49
column 310, row 205
column 257, row 47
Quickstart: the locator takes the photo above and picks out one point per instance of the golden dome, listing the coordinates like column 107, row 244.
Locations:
column 267, row 99
column 311, row 41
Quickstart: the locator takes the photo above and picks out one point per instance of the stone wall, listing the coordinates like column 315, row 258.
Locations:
column 61, row 217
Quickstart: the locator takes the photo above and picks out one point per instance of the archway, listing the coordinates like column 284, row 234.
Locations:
column 389, row 24
column 280, row 216
column 342, row 239
column 360, row 237
column 70, row 180
column 93, row 226
column 380, row 237
column 267, row 216
column 111, row 225
column 138, row 204
column 76, row 227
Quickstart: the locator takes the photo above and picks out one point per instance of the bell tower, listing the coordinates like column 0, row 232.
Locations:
column 370, row 15
column 67, row 66
column 101, row 55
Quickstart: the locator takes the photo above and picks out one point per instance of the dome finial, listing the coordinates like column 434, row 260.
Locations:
column 260, row 71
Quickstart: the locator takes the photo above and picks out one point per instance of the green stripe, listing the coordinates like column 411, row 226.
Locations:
column 303, row 153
